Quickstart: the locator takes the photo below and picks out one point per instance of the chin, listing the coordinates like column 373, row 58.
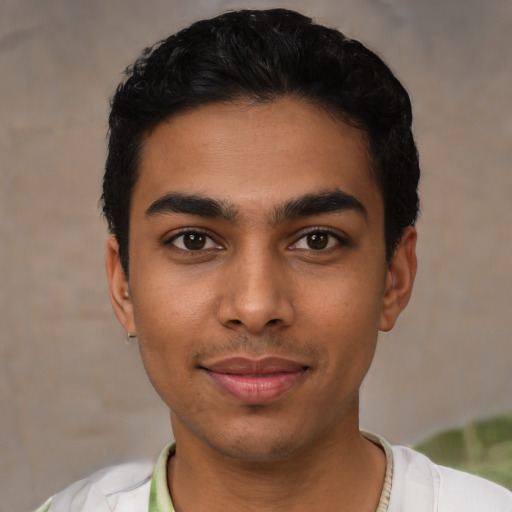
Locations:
column 256, row 450
column 265, row 444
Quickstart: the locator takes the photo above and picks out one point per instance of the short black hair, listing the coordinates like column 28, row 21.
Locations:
column 261, row 55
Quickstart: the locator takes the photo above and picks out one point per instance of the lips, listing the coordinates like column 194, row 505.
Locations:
column 255, row 381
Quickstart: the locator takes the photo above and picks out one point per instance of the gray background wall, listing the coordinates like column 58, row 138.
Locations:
column 73, row 395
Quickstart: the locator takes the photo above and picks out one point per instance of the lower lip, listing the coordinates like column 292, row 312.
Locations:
column 256, row 389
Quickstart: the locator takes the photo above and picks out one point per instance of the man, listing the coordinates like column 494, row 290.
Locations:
column 261, row 191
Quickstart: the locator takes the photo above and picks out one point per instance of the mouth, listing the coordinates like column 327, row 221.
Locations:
column 255, row 381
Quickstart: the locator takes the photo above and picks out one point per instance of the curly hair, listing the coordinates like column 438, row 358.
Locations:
column 262, row 55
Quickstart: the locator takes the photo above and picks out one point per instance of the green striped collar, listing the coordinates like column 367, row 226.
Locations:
column 159, row 496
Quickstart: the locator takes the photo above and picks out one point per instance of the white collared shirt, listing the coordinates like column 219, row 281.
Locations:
column 413, row 483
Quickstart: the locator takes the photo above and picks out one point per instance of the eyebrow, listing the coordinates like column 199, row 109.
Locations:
column 330, row 201
column 191, row 205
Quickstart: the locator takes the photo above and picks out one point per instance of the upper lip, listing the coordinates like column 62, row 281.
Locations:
column 248, row 366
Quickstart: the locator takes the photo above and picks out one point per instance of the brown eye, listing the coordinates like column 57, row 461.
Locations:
column 318, row 240
column 194, row 241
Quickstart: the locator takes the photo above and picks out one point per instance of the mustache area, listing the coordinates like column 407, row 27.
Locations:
column 269, row 344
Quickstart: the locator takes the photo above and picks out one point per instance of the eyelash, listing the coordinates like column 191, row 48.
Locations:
column 340, row 240
column 209, row 238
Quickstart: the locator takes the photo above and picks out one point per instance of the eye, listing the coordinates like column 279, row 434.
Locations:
column 317, row 240
column 193, row 241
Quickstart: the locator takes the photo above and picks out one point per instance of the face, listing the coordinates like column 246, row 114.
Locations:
column 258, row 280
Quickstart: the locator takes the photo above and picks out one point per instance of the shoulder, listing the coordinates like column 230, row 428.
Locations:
column 421, row 485
column 125, row 488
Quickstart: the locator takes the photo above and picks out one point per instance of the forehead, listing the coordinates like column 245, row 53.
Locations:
column 255, row 155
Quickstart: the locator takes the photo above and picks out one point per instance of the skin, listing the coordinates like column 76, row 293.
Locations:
column 312, row 287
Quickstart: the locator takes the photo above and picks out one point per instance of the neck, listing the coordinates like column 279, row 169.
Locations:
column 344, row 472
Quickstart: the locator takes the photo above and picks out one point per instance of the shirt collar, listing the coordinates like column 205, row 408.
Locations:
column 160, row 498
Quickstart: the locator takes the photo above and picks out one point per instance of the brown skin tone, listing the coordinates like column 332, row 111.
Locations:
column 257, row 280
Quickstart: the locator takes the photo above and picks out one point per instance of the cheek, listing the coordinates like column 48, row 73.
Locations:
column 170, row 321
column 348, row 301
column 165, row 347
column 342, row 318
column 170, row 303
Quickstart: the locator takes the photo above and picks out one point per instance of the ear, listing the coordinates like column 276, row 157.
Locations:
column 399, row 280
column 119, row 288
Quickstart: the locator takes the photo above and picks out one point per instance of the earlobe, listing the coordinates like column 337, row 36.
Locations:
column 119, row 289
column 399, row 280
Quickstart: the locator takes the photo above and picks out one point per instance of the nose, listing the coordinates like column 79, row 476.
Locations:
column 256, row 294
